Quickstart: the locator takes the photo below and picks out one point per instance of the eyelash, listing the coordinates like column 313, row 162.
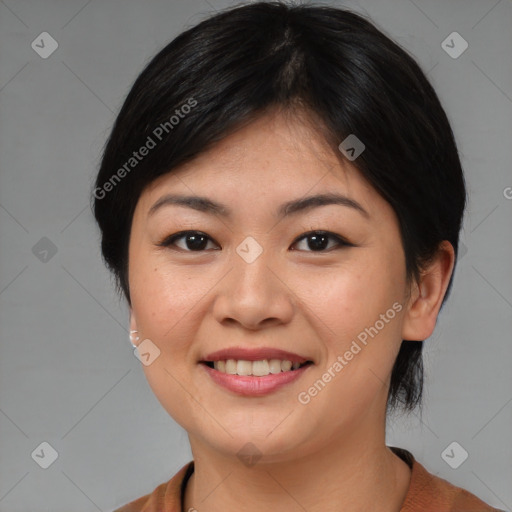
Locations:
column 341, row 242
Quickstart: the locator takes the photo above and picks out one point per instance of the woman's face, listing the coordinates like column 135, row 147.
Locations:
column 248, row 277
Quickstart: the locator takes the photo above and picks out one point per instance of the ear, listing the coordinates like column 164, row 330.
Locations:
column 427, row 295
column 134, row 333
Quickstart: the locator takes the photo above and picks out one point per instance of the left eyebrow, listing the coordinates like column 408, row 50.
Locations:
column 309, row 202
column 206, row 205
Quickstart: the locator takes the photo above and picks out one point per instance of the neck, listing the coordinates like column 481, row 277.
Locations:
column 352, row 474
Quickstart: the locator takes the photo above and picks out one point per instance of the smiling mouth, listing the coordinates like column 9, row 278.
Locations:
column 258, row 368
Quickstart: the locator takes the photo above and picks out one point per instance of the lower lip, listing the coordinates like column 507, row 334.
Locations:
column 254, row 386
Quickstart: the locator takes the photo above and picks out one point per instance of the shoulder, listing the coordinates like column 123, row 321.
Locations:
column 429, row 493
column 148, row 503
column 164, row 498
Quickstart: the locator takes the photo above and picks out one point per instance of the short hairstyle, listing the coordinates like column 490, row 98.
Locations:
column 332, row 63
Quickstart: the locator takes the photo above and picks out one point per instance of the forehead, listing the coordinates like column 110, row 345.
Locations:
column 272, row 153
column 274, row 158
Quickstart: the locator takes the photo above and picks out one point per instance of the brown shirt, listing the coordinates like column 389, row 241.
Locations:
column 427, row 493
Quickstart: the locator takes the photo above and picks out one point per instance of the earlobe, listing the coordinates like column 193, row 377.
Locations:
column 134, row 333
column 426, row 300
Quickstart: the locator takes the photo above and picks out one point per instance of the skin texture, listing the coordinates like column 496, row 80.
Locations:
column 292, row 297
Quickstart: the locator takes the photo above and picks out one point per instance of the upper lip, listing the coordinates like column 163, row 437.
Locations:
column 254, row 354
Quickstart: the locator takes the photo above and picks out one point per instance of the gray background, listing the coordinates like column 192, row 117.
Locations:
column 68, row 375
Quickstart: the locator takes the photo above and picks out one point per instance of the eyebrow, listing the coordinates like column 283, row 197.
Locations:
column 203, row 204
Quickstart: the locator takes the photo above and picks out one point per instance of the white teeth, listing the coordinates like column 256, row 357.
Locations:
column 286, row 366
column 255, row 368
column 230, row 366
column 243, row 367
column 260, row 368
column 275, row 365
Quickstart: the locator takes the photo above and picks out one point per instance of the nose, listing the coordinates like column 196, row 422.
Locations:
column 254, row 295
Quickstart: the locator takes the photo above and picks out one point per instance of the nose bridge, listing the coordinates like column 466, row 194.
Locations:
column 252, row 265
column 253, row 292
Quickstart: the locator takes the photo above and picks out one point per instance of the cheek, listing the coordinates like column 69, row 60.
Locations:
column 167, row 304
column 164, row 295
column 350, row 298
column 159, row 304
column 360, row 321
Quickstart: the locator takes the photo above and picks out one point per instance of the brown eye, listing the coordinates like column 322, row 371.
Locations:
column 318, row 241
column 197, row 241
column 193, row 241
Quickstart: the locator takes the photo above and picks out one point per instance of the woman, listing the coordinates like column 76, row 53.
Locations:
column 280, row 202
